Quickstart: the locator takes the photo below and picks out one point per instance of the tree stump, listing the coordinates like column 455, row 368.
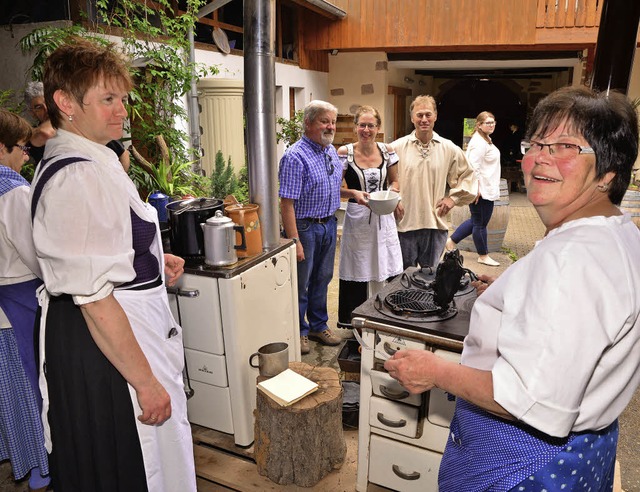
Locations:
column 301, row 443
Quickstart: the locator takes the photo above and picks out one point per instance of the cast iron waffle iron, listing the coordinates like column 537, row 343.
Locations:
column 433, row 297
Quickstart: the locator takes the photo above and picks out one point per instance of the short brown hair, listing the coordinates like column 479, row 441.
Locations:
column 76, row 67
column 13, row 129
column 424, row 99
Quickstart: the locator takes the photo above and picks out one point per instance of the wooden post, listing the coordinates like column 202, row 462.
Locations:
column 302, row 443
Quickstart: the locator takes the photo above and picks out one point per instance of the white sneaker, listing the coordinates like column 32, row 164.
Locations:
column 487, row 260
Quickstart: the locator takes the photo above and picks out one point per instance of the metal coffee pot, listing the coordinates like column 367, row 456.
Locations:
column 220, row 240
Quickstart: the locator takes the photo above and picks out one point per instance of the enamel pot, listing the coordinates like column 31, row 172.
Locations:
column 185, row 216
column 220, row 240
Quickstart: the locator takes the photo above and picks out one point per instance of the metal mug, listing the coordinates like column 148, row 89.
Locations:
column 273, row 358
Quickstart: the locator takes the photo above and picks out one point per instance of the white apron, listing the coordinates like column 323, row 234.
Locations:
column 167, row 449
column 369, row 246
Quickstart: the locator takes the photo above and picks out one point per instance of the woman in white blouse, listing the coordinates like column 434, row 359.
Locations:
column 484, row 158
column 21, row 436
column 113, row 352
column 552, row 355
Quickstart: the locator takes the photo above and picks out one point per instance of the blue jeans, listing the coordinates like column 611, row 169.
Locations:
column 422, row 246
column 476, row 225
column 315, row 272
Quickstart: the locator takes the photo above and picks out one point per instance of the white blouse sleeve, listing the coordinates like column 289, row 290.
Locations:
column 82, row 233
column 343, row 161
column 559, row 317
column 18, row 226
column 476, row 153
column 393, row 158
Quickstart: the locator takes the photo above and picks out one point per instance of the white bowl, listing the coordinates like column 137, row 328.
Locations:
column 383, row 202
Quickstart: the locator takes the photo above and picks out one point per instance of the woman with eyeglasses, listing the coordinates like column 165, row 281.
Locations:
column 552, row 355
column 484, row 158
column 369, row 247
column 21, row 434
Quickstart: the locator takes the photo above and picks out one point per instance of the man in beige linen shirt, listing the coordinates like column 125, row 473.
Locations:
column 428, row 163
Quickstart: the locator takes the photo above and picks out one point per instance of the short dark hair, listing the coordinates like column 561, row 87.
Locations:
column 76, row 67
column 13, row 129
column 607, row 120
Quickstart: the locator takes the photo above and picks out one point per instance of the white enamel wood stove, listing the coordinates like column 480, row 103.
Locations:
column 227, row 313
column 401, row 437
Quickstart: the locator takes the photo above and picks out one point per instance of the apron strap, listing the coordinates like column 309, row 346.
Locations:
column 46, row 175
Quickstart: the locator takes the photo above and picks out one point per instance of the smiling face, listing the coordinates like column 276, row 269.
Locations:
column 423, row 117
column 367, row 127
column 101, row 116
column 322, row 129
column 561, row 189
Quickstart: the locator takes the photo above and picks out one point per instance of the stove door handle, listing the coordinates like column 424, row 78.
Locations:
column 389, row 349
column 182, row 292
column 405, row 476
column 391, row 423
column 393, row 395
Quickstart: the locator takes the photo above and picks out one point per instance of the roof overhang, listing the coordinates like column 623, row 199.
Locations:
column 322, row 7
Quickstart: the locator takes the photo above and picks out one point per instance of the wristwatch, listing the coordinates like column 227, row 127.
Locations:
column 295, row 240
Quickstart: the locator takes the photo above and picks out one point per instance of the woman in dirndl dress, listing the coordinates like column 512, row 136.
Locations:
column 369, row 246
column 113, row 353
column 21, row 434
column 552, row 356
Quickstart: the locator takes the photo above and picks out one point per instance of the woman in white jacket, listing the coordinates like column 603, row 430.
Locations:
column 484, row 158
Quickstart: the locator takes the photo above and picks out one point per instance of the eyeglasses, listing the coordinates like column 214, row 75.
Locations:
column 370, row 126
column 490, row 123
column 329, row 163
column 559, row 149
column 24, row 148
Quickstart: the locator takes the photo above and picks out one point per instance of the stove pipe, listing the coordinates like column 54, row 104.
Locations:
column 260, row 116
column 616, row 45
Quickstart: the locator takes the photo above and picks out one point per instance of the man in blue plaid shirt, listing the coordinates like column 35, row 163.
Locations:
column 310, row 176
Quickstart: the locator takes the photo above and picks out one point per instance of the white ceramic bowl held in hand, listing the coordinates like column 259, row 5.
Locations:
column 383, row 202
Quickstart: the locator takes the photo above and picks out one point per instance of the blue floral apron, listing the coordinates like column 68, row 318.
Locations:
column 485, row 452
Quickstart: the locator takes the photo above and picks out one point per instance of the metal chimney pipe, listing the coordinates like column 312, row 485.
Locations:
column 616, row 45
column 260, row 115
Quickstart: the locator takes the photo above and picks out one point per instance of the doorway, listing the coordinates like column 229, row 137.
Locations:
column 459, row 99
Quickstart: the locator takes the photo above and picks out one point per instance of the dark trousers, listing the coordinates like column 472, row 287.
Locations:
column 476, row 226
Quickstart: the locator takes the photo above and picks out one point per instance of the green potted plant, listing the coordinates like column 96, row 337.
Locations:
column 170, row 174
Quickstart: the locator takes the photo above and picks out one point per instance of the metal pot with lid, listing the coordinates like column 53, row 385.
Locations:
column 220, row 240
column 185, row 216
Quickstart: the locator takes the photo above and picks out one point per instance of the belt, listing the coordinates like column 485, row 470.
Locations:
column 321, row 220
